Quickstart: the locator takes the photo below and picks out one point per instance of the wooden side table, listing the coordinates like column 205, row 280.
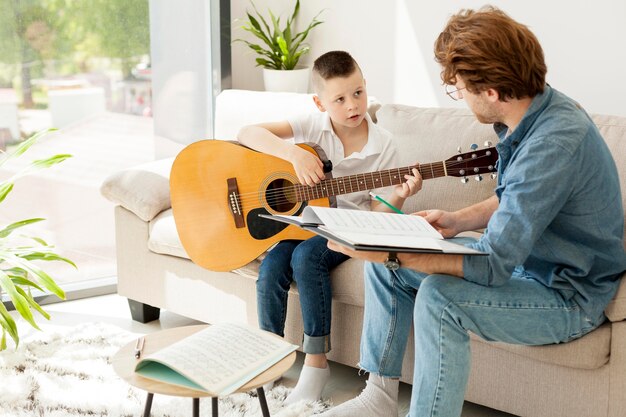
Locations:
column 124, row 363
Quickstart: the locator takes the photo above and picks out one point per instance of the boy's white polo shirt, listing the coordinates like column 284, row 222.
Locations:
column 379, row 153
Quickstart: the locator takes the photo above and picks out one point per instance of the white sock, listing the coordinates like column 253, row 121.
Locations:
column 310, row 384
column 378, row 399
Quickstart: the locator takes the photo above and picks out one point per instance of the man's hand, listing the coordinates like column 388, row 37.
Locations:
column 309, row 168
column 444, row 221
column 412, row 185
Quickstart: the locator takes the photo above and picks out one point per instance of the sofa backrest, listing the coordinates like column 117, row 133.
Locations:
column 613, row 130
column 434, row 134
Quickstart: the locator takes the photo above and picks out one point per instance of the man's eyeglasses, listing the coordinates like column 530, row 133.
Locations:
column 453, row 94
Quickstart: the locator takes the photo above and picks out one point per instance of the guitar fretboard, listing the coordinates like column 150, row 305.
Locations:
column 366, row 181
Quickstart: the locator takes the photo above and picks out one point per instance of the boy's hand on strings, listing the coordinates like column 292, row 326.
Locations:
column 309, row 168
column 411, row 186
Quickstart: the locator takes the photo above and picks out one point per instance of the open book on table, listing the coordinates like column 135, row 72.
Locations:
column 219, row 359
column 374, row 231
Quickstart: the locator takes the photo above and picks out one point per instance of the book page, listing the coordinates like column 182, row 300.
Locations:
column 371, row 222
column 375, row 239
column 223, row 357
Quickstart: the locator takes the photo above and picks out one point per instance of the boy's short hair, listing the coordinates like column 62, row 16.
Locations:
column 330, row 65
column 488, row 49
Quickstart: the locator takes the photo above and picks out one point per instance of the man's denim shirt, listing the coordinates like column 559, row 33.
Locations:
column 560, row 219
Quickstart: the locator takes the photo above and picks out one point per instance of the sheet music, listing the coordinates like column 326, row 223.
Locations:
column 372, row 222
column 223, row 357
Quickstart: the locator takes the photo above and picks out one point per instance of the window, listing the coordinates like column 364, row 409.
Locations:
column 83, row 67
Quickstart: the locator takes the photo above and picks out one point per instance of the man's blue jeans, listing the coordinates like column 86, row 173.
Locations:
column 443, row 311
column 309, row 263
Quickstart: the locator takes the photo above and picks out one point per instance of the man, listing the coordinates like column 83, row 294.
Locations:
column 554, row 231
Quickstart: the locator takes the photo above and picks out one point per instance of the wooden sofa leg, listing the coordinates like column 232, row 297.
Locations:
column 143, row 313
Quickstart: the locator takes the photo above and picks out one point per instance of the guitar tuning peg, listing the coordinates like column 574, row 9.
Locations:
column 493, row 175
column 473, row 146
column 458, row 149
column 478, row 177
column 464, row 180
column 487, row 144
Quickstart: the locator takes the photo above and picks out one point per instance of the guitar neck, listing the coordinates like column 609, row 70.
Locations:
column 367, row 181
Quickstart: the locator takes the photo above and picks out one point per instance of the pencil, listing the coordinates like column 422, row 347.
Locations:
column 382, row 200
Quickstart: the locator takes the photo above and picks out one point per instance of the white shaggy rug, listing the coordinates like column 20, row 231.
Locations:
column 65, row 371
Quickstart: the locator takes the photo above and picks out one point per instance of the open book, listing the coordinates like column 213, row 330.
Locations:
column 374, row 231
column 219, row 359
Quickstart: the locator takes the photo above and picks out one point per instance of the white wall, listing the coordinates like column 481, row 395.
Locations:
column 584, row 45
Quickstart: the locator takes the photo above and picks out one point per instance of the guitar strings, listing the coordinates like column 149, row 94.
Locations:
column 278, row 195
column 354, row 179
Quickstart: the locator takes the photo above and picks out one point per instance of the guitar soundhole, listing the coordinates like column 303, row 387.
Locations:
column 280, row 195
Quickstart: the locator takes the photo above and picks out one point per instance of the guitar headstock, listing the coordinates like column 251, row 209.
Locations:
column 476, row 162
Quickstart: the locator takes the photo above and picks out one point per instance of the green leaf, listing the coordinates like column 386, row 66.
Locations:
column 10, row 228
column 283, row 46
column 20, row 303
column 33, row 303
column 5, row 189
column 50, row 161
column 295, row 11
column 24, row 282
column 47, row 256
column 44, row 279
column 23, row 147
column 8, row 324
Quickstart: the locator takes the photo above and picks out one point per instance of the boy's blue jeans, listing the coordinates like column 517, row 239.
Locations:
column 442, row 311
column 309, row 263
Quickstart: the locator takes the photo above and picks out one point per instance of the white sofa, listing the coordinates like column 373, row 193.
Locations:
column 583, row 378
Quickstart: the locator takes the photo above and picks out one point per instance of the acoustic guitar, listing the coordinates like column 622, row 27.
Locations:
column 219, row 188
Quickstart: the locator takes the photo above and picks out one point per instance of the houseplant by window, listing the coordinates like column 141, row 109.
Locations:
column 280, row 49
column 20, row 270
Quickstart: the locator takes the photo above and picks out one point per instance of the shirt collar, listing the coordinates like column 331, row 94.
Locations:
column 538, row 104
column 374, row 143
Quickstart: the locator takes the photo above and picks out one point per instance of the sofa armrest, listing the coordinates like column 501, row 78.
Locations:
column 143, row 189
column 616, row 310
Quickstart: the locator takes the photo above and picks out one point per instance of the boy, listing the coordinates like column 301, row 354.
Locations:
column 354, row 144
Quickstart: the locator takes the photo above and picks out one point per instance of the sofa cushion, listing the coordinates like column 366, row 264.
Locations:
column 163, row 237
column 433, row 134
column 143, row 189
column 589, row 352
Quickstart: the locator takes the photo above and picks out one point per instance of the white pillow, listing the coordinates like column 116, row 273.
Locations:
column 143, row 189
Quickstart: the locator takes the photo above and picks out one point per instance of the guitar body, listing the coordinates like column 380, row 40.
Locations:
column 221, row 232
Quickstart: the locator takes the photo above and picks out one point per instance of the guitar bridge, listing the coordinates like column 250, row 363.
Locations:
column 234, row 203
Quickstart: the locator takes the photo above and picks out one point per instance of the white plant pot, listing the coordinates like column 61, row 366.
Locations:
column 294, row 81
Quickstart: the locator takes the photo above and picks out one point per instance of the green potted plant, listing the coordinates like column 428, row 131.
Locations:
column 280, row 49
column 19, row 270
